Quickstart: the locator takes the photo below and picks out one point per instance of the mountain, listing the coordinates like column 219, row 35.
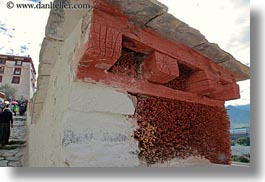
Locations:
column 239, row 115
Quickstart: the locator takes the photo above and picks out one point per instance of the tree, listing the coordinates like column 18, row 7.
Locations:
column 8, row 90
column 241, row 158
column 243, row 141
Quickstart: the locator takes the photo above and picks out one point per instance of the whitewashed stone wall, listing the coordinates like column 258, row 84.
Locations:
column 46, row 125
column 97, row 131
column 73, row 123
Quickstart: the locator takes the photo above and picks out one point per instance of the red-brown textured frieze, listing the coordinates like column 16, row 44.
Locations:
column 175, row 129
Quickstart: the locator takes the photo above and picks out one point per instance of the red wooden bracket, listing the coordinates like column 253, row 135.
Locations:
column 160, row 68
column 226, row 92
column 124, row 83
column 213, row 86
column 103, row 47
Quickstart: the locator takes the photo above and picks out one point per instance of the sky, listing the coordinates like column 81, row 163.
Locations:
column 224, row 22
column 22, row 30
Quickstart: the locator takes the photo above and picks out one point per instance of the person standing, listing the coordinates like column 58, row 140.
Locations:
column 15, row 109
column 6, row 122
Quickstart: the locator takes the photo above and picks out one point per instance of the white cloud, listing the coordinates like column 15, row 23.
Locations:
column 25, row 27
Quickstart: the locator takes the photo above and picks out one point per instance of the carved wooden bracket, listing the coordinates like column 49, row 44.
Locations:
column 160, row 68
column 207, row 83
column 110, row 34
column 103, row 47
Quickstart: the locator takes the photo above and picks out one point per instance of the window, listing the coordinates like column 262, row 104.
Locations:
column 16, row 80
column 1, row 77
column 17, row 71
column 2, row 61
column 18, row 63
column 2, row 69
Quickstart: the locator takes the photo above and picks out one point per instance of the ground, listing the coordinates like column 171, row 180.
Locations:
column 11, row 155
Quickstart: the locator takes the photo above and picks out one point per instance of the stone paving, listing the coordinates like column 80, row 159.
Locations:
column 11, row 155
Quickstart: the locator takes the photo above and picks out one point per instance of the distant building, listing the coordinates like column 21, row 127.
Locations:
column 18, row 72
column 239, row 132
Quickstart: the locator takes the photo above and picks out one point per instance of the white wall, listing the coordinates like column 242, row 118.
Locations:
column 46, row 133
column 97, row 131
column 81, row 124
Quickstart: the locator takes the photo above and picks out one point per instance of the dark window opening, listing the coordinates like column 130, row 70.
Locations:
column 18, row 63
column 17, row 71
column 2, row 61
column 2, row 69
column 1, row 77
column 16, row 80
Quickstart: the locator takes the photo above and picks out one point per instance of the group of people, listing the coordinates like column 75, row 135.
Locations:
column 17, row 106
column 6, row 123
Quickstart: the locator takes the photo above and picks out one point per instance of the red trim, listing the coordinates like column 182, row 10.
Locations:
column 131, row 85
column 20, row 58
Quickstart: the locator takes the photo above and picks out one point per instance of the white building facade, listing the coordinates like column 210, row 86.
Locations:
column 18, row 72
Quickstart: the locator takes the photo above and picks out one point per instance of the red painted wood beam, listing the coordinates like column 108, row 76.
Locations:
column 131, row 85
